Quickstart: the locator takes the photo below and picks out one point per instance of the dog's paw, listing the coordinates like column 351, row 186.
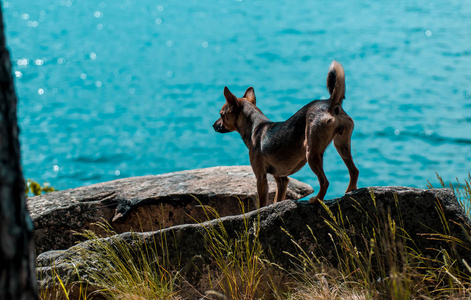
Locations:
column 314, row 200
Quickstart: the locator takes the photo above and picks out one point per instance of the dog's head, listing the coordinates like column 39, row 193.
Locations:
column 231, row 109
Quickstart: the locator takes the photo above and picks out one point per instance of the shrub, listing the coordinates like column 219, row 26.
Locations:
column 32, row 187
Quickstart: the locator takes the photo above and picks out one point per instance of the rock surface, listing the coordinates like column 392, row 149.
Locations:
column 415, row 210
column 146, row 203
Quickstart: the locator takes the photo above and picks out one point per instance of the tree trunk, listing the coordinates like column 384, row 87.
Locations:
column 17, row 269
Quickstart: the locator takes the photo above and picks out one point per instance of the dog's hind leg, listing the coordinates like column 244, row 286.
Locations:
column 342, row 142
column 319, row 135
column 316, row 162
column 281, row 188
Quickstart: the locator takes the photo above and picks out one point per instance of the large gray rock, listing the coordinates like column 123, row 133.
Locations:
column 146, row 203
column 417, row 211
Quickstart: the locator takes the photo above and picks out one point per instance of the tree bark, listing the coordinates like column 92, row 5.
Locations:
column 17, row 262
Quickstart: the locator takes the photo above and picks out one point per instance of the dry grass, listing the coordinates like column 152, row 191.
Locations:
column 377, row 261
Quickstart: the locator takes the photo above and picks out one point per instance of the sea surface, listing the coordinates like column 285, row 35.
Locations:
column 112, row 89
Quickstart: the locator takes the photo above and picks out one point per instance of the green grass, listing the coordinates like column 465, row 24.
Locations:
column 378, row 261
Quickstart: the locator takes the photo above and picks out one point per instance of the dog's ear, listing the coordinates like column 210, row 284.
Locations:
column 230, row 97
column 250, row 95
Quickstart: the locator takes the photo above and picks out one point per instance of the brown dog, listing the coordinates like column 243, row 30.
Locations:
column 282, row 148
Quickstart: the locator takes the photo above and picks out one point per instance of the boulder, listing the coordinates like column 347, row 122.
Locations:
column 288, row 226
column 147, row 203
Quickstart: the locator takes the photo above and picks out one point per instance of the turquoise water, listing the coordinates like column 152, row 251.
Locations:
column 112, row 89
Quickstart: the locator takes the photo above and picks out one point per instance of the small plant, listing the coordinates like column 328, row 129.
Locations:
column 32, row 187
column 462, row 191
column 239, row 260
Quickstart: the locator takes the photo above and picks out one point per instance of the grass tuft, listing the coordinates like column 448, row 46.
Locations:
column 462, row 191
column 129, row 271
column 241, row 267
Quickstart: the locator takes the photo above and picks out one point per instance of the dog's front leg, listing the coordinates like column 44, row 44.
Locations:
column 262, row 190
column 281, row 188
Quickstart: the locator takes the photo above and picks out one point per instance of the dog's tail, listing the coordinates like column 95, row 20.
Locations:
column 336, row 84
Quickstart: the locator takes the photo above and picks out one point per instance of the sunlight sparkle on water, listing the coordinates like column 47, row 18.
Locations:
column 23, row 62
column 32, row 23
column 38, row 62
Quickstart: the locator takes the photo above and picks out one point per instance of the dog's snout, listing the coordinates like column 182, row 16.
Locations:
column 218, row 127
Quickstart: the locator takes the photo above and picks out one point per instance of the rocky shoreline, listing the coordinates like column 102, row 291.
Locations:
column 147, row 203
column 167, row 202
